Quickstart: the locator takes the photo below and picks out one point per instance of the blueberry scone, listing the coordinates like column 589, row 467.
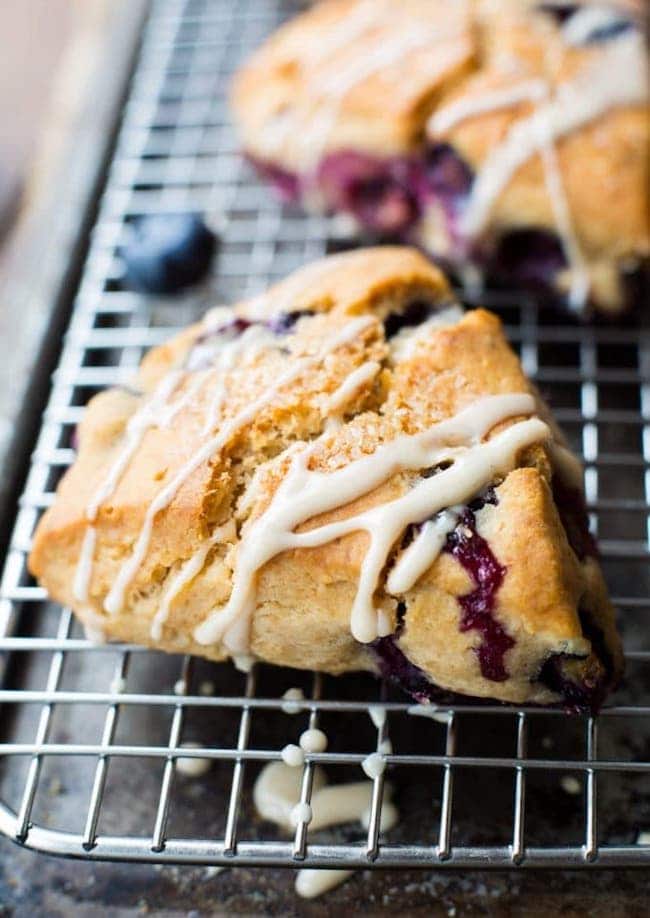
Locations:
column 343, row 473
column 509, row 138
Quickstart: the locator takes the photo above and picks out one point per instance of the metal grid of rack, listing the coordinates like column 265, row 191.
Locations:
column 90, row 735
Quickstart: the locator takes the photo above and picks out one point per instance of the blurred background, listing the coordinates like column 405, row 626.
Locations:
column 53, row 44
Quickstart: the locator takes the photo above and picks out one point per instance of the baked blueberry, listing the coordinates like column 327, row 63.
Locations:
column 375, row 191
column 396, row 667
column 473, row 552
column 283, row 322
column 414, row 314
column 445, row 174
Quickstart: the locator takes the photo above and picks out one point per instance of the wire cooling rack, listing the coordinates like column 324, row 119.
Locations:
column 90, row 736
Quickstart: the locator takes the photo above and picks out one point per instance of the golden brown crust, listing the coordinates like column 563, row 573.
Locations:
column 383, row 110
column 304, row 595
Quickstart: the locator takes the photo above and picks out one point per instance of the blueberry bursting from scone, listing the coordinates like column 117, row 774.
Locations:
column 508, row 138
column 343, row 473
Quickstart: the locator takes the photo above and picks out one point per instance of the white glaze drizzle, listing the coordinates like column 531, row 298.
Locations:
column 331, row 94
column 377, row 715
column 304, row 494
column 157, row 412
column 312, row 882
column 578, row 27
column 579, row 282
column 243, row 662
column 277, row 792
column 340, row 803
column 187, row 572
column 146, row 417
column 344, row 31
column 350, row 387
column 571, row 785
column 340, row 34
column 374, row 765
column 290, row 699
column 302, row 812
column 277, row 798
column 389, row 813
column 193, row 766
column 385, row 747
column 617, row 78
column 431, row 710
column 169, row 412
column 462, row 109
column 115, row 598
column 313, row 740
column 251, row 342
column 83, row 571
column 203, row 347
column 418, row 557
column 293, row 756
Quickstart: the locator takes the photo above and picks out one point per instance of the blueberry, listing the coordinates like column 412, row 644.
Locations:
column 375, row 191
column 413, row 314
column 168, row 252
column 446, row 174
column 283, row 322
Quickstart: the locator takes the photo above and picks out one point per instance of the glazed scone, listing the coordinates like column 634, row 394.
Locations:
column 507, row 137
column 343, row 473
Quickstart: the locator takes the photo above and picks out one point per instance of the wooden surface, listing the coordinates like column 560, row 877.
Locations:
column 46, row 55
column 35, row 34
column 58, row 158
